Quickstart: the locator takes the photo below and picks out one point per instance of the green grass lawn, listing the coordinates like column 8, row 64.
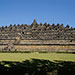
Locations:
column 28, row 56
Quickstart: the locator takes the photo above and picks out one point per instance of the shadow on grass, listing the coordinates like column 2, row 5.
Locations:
column 37, row 67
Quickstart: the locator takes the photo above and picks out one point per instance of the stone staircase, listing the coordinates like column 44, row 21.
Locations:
column 10, row 45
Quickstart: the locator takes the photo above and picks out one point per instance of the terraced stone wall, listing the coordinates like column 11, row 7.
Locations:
column 39, row 45
column 44, row 48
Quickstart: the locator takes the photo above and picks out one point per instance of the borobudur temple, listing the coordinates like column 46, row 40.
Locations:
column 37, row 37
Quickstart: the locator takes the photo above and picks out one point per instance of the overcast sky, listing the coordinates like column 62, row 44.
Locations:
column 25, row 11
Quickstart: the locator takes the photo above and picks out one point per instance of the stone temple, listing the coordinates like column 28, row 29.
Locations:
column 37, row 37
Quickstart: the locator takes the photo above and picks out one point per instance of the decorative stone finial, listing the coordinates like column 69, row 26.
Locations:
column 34, row 22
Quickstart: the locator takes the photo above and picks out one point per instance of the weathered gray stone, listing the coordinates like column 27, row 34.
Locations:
column 37, row 34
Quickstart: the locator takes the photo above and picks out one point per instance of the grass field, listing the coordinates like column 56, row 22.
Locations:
column 28, row 56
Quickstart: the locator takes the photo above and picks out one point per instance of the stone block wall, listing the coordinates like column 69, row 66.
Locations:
column 38, row 45
column 44, row 48
column 37, row 37
column 47, row 42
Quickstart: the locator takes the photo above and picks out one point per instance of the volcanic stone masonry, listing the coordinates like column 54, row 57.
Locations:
column 37, row 37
